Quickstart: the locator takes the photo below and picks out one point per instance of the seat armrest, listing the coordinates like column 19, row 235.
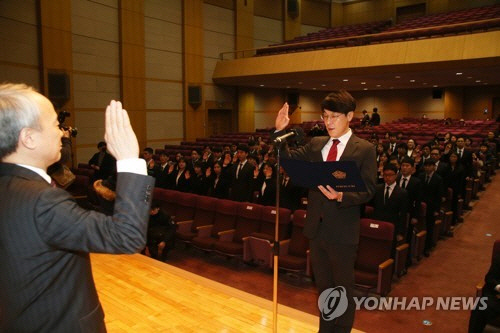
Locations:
column 385, row 277
column 184, row 226
column 226, row 235
column 204, row 231
column 284, row 244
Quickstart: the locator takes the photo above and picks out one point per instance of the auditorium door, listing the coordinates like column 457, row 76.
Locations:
column 219, row 121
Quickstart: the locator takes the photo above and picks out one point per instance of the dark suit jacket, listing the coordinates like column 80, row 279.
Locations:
column 268, row 198
column 107, row 167
column 340, row 218
column 45, row 238
column 432, row 192
column 163, row 178
column 394, row 210
column 219, row 190
column 414, row 190
column 242, row 187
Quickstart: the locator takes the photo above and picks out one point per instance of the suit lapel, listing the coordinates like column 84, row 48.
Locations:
column 350, row 148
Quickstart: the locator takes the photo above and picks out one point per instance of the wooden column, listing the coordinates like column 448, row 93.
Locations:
column 454, row 102
column 244, row 26
column 194, row 115
column 132, row 65
column 246, row 110
column 336, row 14
column 56, row 47
column 292, row 22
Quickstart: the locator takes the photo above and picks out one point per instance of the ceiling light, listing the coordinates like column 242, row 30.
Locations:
column 378, row 85
column 478, row 81
column 261, row 85
column 412, row 80
column 314, row 88
column 288, row 87
column 363, row 82
column 435, row 86
column 397, row 77
column 459, row 73
column 469, row 77
column 425, row 83
column 345, row 80
column 323, row 85
column 300, row 82
column 365, row 88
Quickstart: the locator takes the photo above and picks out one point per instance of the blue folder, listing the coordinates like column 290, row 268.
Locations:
column 342, row 176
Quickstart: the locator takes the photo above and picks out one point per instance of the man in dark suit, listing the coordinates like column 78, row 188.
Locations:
column 464, row 156
column 45, row 237
column 103, row 163
column 432, row 195
column 412, row 184
column 333, row 217
column 390, row 203
column 241, row 175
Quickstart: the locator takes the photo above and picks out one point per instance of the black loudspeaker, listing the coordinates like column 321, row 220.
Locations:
column 437, row 93
column 58, row 84
column 194, row 95
column 293, row 99
column 293, row 8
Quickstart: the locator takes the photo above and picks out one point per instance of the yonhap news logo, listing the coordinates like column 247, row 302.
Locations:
column 332, row 303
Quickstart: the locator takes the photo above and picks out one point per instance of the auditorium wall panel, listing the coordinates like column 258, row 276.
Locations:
column 162, row 35
column 95, row 20
column 164, row 95
column 367, row 11
column 95, row 55
column 306, row 29
column 94, row 91
column 476, row 99
column 267, row 31
column 163, row 65
column 157, row 9
column 315, row 13
column 20, row 74
column 270, row 9
column 159, row 129
column 90, row 124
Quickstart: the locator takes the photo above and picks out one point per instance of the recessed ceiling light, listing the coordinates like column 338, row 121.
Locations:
column 300, row 82
column 365, row 88
column 323, row 85
column 261, row 85
column 435, row 86
column 425, row 83
column 469, row 77
column 314, row 88
column 392, row 88
column 345, row 80
column 397, row 77
column 288, row 87
column 485, row 83
column 459, row 73
column 478, row 81
column 378, row 85
column 363, row 82
column 412, row 80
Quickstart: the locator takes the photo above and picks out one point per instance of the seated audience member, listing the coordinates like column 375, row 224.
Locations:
column 480, row 317
column 181, row 178
column 266, row 186
column 161, row 232
column 218, row 182
column 103, row 163
column 163, row 171
column 390, row 203
column 456, row 181
column 147, row 155
column 199, row 183
column 432, row 195
column 492, row 141
column 484, row 154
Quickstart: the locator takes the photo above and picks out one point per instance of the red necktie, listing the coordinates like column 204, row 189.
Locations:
column 332, row 154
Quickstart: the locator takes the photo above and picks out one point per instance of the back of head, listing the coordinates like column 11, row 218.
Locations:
column 339, row 101
column 18, row 109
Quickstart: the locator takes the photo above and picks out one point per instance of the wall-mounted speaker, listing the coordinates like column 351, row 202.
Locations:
column 58, row 84
column 292, row 8
column 437, row 93
column 194, row 95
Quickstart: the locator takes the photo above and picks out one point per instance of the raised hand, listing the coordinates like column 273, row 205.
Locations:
column 119, row 135
column 282, row 119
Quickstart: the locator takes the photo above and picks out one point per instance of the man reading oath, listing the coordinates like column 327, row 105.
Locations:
column 333, row 218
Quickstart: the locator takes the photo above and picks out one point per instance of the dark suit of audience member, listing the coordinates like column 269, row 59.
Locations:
column 375, row 118
column 218, row 186
column 163, row 177
column 465, row 159
column 432, row 194
column 161, row 232
column 390, row 203
column 456, row 181
column 181, row 178
column 480, row 317
column 103, row 163
column 241, row 175
column 199, row 182
column 266, row 186
column 290, row 194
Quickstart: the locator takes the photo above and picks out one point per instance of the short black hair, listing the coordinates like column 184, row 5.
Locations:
column 408, row 160
column 339, row 101
column 149, row 150
column 101, row 144
column 243, row 148
column 390, row 166
column 430, row 161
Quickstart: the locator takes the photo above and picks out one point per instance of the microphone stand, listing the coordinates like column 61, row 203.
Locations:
column 276, row 243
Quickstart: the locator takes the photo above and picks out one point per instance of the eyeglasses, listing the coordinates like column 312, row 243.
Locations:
column 327, row 118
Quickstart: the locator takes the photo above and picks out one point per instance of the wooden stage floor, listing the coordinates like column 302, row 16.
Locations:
column 143, row 295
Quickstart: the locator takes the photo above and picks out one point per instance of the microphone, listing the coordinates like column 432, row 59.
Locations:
column 298, row 132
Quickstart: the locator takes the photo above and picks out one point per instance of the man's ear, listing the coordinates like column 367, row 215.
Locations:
column 27, row 138
column 349, row 115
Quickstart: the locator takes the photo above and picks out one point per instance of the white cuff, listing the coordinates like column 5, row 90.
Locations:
column 132, row 165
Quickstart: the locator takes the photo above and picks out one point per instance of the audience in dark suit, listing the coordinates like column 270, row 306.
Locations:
column 266, row 186
column 218, row 182
column 103, row 163
column 242, row 177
